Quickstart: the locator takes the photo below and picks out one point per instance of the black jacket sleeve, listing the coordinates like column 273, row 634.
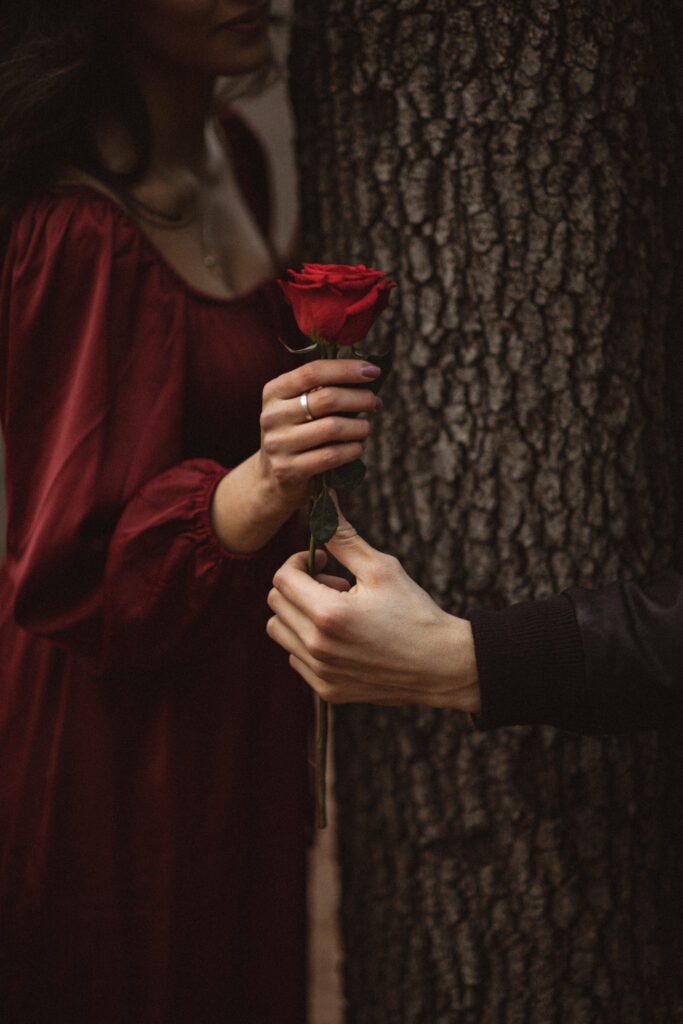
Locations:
column 602, row 661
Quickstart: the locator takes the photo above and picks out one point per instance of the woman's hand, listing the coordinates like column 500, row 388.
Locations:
column 294, row 447
column 382, row 641
column 254, row 499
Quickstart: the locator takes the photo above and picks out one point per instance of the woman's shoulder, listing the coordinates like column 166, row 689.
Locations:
column 75, row 237
column 75, row 268
column 74, row 215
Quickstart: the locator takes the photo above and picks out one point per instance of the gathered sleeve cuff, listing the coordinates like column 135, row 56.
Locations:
column 165, row 566
column 530, row 664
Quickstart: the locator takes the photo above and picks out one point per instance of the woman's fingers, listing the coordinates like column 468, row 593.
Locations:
column 322, row 403
column 321, row 373
column 331, row 430
column 328, row 401
column 321, row 460
column 300, row 440
column 290, row 441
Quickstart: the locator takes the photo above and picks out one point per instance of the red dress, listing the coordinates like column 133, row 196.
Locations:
column 153, row 776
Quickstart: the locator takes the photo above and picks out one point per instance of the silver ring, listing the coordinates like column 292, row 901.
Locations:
column 304, row 405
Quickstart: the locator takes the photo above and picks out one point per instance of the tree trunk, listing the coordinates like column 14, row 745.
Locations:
column 517, row 167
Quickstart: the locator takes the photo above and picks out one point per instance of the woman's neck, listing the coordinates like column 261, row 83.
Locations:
column 179, row 105
column 190, row 186
column 179, row 109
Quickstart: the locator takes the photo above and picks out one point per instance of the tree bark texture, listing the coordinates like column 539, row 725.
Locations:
column 517, row 167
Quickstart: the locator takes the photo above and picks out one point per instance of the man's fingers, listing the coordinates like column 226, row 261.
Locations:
column 293, row 583
column 280, row 632
column 331, row 692
column 308, row 675
column 298, row 618
column 299, row 562
column 346, row 692
column 334, row 582
column 299, row 658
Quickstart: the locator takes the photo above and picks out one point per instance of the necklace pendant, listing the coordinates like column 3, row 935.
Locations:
column 210, row 260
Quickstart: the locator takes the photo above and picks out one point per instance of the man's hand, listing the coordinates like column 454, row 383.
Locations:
column 382, row 641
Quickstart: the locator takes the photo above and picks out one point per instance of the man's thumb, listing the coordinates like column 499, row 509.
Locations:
column 349, row 548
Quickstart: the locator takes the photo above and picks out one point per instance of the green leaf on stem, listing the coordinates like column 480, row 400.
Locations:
column 344, row 478
column 324, row 519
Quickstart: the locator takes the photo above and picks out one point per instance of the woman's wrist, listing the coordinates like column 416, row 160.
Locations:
column 246, row 510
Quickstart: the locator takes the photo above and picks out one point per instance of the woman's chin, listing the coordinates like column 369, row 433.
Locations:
column 248, row 58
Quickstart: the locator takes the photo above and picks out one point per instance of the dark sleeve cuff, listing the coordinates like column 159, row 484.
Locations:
column 531, row 665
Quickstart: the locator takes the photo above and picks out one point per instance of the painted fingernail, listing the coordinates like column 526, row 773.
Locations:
column 368, row 370
column 378, row 403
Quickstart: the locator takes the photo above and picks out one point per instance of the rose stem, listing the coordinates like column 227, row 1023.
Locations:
column 329, row 351
column 321, row 746
column 322, row 763
column 311, row 556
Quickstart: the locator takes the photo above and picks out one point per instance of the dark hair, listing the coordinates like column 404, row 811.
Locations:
column 61, row 70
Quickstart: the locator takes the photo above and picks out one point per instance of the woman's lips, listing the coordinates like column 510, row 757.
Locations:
column 252, row 20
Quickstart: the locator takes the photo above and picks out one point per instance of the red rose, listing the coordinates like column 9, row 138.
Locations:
column 338, row 303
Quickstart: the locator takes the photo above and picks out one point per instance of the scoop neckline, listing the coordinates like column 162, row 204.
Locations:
column 158, row 256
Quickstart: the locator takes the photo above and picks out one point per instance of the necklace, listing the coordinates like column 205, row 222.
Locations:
column 161, row 218
column 197, row 214
column 197, row 207
column 210, row 255
column 210, row 251
column 216, row 142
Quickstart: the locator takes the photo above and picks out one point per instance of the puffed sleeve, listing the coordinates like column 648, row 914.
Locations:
column 110, row 547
